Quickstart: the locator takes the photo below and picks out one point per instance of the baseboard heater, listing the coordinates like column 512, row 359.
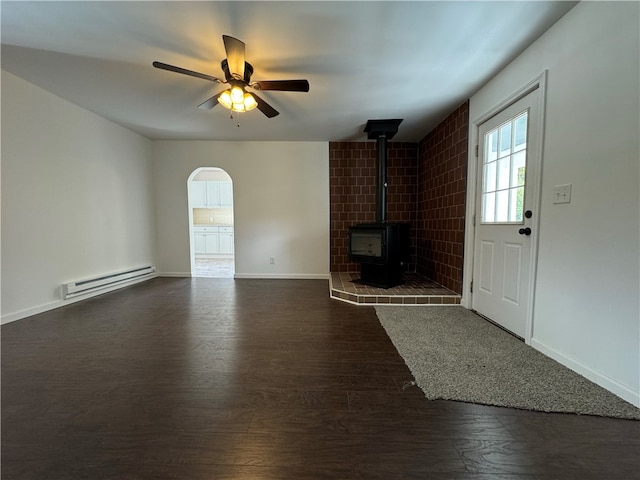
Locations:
column 104, row 282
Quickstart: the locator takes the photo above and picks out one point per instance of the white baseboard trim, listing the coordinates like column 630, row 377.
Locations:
column 27, row 312
column 284, row 276
column 266, row 276
column 598, row 378
column 45, row 307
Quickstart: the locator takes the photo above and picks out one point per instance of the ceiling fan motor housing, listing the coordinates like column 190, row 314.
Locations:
column 248, row 71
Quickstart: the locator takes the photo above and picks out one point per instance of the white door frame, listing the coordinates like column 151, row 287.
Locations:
column 535, row 184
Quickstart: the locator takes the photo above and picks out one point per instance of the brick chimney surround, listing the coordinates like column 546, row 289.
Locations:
column 426, row 188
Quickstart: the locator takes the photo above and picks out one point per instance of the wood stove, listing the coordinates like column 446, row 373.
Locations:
column 381, row 248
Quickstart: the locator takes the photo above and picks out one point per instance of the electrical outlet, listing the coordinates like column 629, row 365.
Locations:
column 562, row 193
column 272, row 260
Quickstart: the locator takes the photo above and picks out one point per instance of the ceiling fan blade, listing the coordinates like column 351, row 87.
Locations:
column 264, row 107
column 235, row 55
column 282, row 85
column 184, row 71
column 210, row 102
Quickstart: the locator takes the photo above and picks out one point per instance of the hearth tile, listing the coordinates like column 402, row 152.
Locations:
column 416, row 290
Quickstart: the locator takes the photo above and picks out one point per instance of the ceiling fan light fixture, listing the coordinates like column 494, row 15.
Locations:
column 237, row 100
column 237, row 94
column 224, row 99
column 249, row 102
column 238, row 107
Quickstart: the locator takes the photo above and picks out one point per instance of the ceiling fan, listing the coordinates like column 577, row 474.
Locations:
column 237, row 73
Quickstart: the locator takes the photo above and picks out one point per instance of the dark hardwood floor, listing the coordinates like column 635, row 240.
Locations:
column 260, row 379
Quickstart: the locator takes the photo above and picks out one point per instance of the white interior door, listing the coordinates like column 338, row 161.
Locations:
column 505, row 217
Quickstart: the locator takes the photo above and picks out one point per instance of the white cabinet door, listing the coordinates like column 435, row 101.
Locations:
column 213, row 194
column 211, row 243
column 199, row 242
column 198, row 194
column 226, row 194
column 210, row 194
column 226, row 242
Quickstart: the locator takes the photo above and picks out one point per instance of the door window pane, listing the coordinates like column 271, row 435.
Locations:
column 505, row 139
column 516, row 203
column 488, row 207
column 504, row 169
column 520, row 132
column 518, row 169
column 502, row 206
column 490, row 177
column 492, row 146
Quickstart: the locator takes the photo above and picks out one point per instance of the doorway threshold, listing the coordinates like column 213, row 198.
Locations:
column 416, row 290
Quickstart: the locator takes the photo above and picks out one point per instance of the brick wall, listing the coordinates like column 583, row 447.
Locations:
column 442, row 184
column 426, row 188
column 352, row 181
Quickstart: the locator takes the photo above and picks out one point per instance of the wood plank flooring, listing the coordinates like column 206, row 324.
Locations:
column 260, row 379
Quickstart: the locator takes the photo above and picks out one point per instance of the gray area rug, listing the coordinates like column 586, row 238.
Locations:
column 454, row 354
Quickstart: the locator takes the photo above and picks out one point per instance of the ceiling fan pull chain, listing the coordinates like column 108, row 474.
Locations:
column 236, row 118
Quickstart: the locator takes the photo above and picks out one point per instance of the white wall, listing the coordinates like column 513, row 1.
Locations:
column 281, row 205
column 76, row 197
column 586, row 306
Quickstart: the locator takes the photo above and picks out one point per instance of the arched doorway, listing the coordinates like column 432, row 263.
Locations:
column 211, row 223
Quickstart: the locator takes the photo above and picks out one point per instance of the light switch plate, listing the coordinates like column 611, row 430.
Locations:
column 562, row 193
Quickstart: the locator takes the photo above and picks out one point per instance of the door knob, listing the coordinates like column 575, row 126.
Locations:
column 525, row 231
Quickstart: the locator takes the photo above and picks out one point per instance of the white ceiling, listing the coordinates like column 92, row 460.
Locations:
column 364, row 60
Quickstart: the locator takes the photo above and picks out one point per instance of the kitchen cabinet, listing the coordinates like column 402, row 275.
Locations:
column 214, row 240
column 212, row 243
column 225, row 240
column 199, row 242
column 211, row 194
column 225, row 194
column 198, row 194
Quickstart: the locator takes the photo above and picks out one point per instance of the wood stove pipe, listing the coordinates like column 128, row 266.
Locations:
column 381, row 178
column 381, row 130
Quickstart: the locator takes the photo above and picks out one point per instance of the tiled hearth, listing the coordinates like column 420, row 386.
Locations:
column 416, row 290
